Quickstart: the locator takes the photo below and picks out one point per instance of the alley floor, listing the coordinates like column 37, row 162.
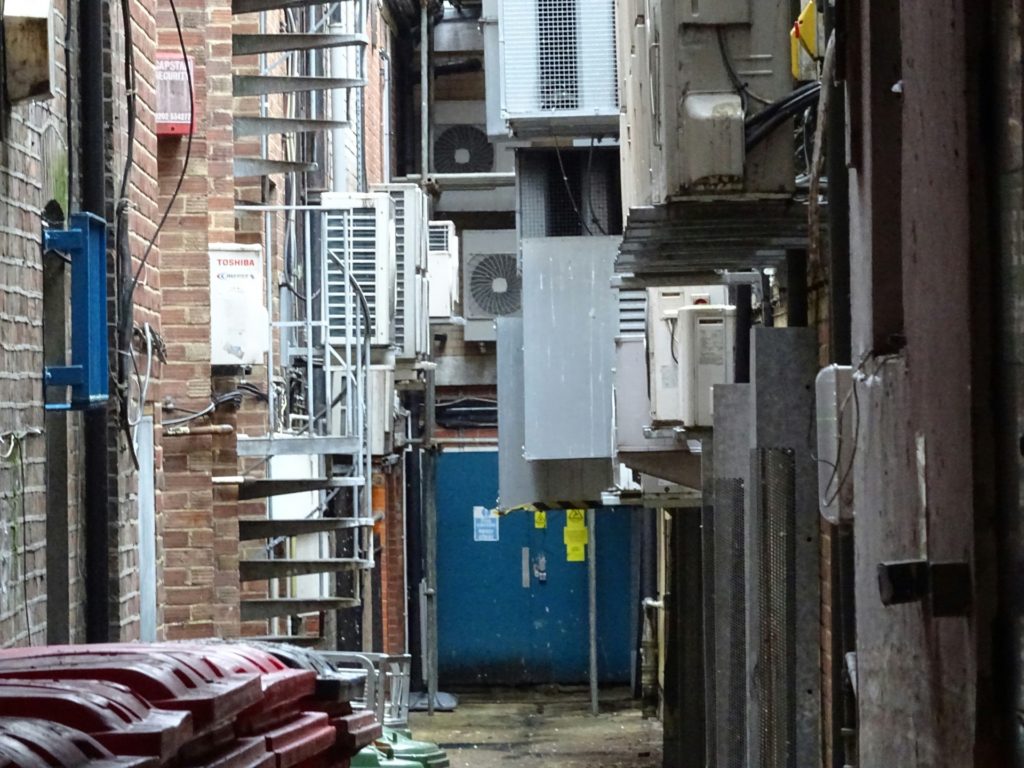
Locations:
column 543, row 727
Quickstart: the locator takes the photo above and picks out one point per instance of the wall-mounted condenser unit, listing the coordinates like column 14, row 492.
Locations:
column 665, row 345
column 411, row 216
column 558, row 72
column 687, row 128
column 443, row 269
column 707, row 342
column 359, row 243
column 492, row 285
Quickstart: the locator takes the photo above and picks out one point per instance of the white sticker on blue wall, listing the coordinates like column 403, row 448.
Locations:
column 485, row 524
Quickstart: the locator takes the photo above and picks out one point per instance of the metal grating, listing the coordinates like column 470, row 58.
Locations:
column 351, row 234
column 441, row 235
column 558, row 58
column 401, row 246
column 731, row 620
column 632, row 312
column 775, row 672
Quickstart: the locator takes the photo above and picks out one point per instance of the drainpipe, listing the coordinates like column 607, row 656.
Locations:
column 424, row 92
column 96, row 420
column 339, row 103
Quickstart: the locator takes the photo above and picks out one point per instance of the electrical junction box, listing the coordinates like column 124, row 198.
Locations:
column 707, row 348
column 30, row 51
column 239, row 324
column 712, row 124
column 174, row 112
column 663, row 344
column 835, row 441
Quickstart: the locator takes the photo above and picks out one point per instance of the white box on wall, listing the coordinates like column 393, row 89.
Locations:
column 30, row 51
column 239, row 325
column 707, row 343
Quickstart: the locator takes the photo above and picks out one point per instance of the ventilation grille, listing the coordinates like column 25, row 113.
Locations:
column 774, row 674
column 559, row 58
column 463, row 149
column 351, row 235
column 442, row 233
column 633, row 312
column 494, row 286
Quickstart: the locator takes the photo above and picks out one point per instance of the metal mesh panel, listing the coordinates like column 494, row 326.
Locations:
column 775, row 670
column 568, row 193
column 731, row 618
column 401, row 247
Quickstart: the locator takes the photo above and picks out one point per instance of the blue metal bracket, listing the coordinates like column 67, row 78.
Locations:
column 85, row 243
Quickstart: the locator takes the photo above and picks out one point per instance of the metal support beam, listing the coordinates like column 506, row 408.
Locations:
column 592, row 605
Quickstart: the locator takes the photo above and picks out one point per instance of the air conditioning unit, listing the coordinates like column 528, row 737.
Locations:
column 558, row 72
column 665, row 347
column 461, row 143
column 381, row 404
column 359, row 241
column 492, row 285
column 707, row 345
column 443, row 268
column 686, row 125
column 835, row 417
column 411, row 216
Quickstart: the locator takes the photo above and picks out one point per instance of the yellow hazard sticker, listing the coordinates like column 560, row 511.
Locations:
column 540, row 519
column 575, row 535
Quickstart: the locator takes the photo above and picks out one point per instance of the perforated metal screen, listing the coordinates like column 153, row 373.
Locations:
column 774, row 673
column 569, row 192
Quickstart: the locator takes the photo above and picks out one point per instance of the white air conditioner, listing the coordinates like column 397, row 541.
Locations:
column 707, row 348
column 557, row 60
column 835, row 441
column 443, row 269
column 492, row 285
column 664, row 344
column 411, row 216
column 684, row 123
column 359, row 242
column 461, row 144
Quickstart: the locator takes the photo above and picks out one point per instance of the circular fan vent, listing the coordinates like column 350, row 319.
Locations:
column 495, row 284
column 463, row 149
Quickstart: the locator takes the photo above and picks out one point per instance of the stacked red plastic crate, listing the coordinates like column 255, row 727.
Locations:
column 170, row 704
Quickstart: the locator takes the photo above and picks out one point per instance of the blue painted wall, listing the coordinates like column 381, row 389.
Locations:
column 491, row 629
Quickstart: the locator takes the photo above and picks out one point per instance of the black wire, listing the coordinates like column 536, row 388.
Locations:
column 188, row 154
column 590, row 198
column 69, row 110
column 568, row 191
column 760, row 126
column 741, row 88
column 672, row 339
column 121, row 245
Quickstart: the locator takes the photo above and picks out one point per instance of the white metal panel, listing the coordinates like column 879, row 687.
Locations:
column 707, row 348
column 147, row 530
column 381, row 408
column 557, row 59
column 411, row 215
column 360, row 233
column 238, row 313
column 443, row 269
column 569, row 323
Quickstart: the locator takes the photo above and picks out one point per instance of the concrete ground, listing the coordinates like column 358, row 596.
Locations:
column 543, row 727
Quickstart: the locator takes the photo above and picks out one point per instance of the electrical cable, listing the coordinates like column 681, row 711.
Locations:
column 568, row 190
column 188, row 155
column 760, row 126
column 589, row 197
column 741, row 88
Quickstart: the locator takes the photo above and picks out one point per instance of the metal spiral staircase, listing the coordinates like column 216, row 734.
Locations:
column 326, row 423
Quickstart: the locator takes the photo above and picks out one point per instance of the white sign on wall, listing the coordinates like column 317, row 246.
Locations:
column 238, row 314
column 485, row 524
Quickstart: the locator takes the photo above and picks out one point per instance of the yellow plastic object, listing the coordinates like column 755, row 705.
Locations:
column 803, row 43
column 575, row 535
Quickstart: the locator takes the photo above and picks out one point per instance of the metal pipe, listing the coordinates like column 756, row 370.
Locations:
column 208, row 429
column 424, row 91
column 339, row 101
column 430, row 535
column 592, row 604
column 744, row 320
column 796, row 288
column 97, row 421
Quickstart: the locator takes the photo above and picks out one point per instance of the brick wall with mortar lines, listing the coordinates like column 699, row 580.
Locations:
column 187, row 528
column 33, row 170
